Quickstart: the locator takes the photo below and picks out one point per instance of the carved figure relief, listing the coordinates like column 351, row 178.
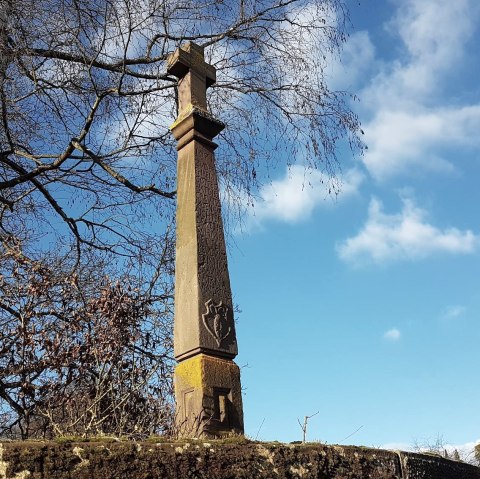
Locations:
column 216, row 321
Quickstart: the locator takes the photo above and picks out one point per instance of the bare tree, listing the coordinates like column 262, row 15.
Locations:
column 86, row 102
column 88, row 168
column 81, row 355
column 305, row 424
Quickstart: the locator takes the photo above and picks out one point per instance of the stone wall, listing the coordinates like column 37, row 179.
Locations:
column 218, row 460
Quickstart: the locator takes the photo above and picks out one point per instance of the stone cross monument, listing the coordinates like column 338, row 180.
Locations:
column 207, row 381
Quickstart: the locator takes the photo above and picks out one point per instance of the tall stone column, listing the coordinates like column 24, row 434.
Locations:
column 207, row 381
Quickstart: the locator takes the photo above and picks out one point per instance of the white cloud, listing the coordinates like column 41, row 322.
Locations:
column 436, row 30
column 454, row 312
column 405, row 235
column 411, row 121
column 294, row 197
column 399, row 140
column 392, row 334
column 433, row 44
column 357, row 57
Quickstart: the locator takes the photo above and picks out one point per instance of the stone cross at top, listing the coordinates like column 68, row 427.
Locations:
column 207, row 381
column 195, row 76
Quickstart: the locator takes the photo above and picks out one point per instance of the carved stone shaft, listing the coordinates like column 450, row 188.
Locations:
column 207, row 382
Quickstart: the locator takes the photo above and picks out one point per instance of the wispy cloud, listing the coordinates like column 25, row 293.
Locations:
column 400, row 140
column 357, row 60
column 405, row 235
column 294, row 197
column 412, row 119
column 392, row 335
column 454, row 312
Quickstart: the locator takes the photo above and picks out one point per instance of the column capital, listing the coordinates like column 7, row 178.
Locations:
column 195, row 123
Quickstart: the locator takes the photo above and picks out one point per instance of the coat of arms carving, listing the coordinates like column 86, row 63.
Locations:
column 216, row 321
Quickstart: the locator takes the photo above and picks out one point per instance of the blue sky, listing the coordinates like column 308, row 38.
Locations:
column 366, row 308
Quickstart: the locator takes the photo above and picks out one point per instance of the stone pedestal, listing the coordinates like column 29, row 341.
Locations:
column 209, row 398
column 207, row 381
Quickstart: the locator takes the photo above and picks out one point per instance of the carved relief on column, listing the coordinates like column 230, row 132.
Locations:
column 201, row 258
column 216, row 321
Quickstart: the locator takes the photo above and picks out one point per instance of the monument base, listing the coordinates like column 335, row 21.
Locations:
column 208, row 397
